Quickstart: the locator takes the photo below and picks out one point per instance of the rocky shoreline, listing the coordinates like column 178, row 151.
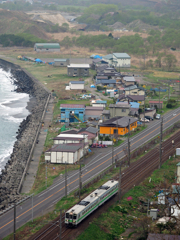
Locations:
column 13, row 171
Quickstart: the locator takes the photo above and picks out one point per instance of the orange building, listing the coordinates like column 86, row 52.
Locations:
column 118, row 125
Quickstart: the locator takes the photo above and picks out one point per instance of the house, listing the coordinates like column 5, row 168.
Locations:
column 119, row 109
column 159, row 104
column 76, row 85
column 93, row 112
column 121, row 60
column 92, row 134
column 128, row 81
column 98, row 103
column 64, row 153
column 64, row 138
column 132, row 98
column 60, row 62
column 105, row 82
column 47, row 47
column 72, row 112
column 134, row 90
column 118, row 125
column 98, row 62
column 75, row 70
column 109, row 59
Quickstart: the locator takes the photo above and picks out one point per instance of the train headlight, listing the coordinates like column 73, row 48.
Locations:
column 74, row 221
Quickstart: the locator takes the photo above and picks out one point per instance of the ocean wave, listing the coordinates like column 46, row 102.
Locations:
column 5, row 156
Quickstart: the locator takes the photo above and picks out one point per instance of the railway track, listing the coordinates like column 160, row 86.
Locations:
column 130, row 176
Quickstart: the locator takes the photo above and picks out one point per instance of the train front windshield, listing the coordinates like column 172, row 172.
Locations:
column 71, row 216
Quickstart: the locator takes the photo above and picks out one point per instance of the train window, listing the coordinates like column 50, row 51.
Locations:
column 67, row 215
column 74, row 216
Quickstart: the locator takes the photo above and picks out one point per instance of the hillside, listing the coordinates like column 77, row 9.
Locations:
column 13, row 22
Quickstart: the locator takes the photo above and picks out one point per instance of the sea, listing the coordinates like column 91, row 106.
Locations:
column 12, row 112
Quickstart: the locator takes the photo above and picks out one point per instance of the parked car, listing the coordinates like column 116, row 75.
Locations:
column 149, row 118
column 144, row 120
column 158, row 116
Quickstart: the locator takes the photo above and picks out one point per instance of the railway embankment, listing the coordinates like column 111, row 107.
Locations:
column 16, row 168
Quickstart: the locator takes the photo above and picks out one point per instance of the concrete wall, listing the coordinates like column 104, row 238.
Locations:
column 72, row 72
column 76, row 86
column 123, row 112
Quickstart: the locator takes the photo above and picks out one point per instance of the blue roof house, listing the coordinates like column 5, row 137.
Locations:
column 72, row 112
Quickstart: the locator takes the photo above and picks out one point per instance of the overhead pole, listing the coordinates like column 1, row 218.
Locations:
column 160, row 144
column 144, row 111
column 60, row 225
column 119, row 191
column 80, row 179
column 14, row 221
column 66, row 178
column 129, row 154
column 159, row 97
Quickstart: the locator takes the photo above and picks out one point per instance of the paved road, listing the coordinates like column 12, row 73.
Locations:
column 49, row 197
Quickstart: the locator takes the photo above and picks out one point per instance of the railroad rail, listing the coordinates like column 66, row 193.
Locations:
column 132, row 175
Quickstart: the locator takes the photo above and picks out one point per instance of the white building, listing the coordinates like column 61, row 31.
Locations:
column 76, row 85
column 71, row 138
column 64, row 153
column 175, row 211
column 121, row 60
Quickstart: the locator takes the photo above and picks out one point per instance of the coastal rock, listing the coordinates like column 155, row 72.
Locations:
column 12, row 173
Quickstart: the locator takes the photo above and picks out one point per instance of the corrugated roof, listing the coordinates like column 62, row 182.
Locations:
column 72, row 106
column 136, row 97
column 69, row 147
column 60, row 60
column 47, row 45
column 121, row 55
column 130, row 88
column 129, row 79
column 77, row 82
column 92, row 130
column 78, row 66
column 124, row 105
column 109, row 56
column 94, row 108
column 108, row 81
column 101, row 77
column 155, row 101
column 119, row 121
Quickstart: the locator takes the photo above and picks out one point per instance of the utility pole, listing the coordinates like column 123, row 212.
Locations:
column 32, row 207
column 119, row 192
column 46, row 176
column 160, row 144
column 168, row 89
column 60, row 224
column 129, row 156
column 159, row 97
column 14, row 221
column 144, row 111
column 80, row 179
column 112, row 151
column 65, row 179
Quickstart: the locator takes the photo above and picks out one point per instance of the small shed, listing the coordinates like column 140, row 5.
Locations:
column 159, row 104
column 60, row 62
column 76, row 85
column 64, row 153
column 78, row 70
column 47, row 47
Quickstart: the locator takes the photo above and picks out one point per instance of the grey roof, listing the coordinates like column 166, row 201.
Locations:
column 89, row 129
column 125, row 105
column 47, row 45
column 119, row 121
column 77, row 82
column 106, row 112
column 129, row 79
column 130, row 88
column 60, row 60
column 70, row 131
column 68, row 147
column 136, row 97
column 101, row 77
column 109, row 56
column 108, row 81
column 121, row 55
column 94, row 108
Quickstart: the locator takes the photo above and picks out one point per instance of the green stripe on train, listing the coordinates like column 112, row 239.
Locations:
column 97, row 204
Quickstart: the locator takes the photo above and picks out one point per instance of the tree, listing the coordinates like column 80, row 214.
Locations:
column 170, row 61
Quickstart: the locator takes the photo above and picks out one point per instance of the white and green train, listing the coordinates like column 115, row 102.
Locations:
column 89, row 204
